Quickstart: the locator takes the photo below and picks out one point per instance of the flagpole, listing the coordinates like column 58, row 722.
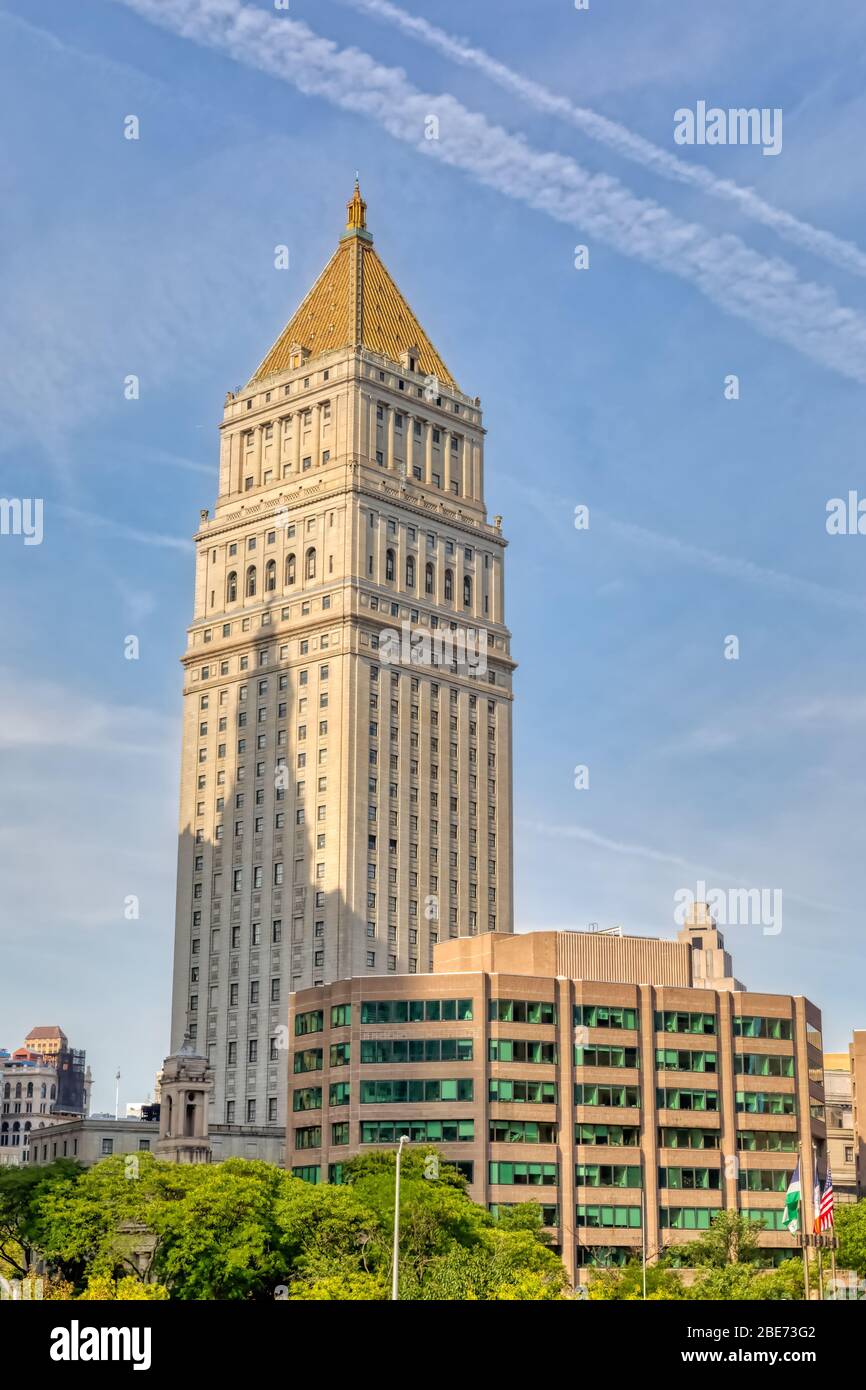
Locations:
column 820, row 1274
column 643, row 1237
column 805, row 1264
column 802, row 1219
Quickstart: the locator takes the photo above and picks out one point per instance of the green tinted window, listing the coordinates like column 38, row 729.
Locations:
column 309, row 1060
column 393, row 1092
column 524, row 1174
column 312, row 1022
column 307, row 1098
column 607, row 1175
column 604, row 1016
column 522, row 1132
column 595, row 1217
column 418, row 1131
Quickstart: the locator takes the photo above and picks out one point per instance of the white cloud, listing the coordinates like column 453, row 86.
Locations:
column 38, row 714
column 128, row 533
column 764, row 291
column 621, row 140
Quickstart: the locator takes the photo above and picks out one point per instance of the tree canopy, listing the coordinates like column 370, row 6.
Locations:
column 244, row 1229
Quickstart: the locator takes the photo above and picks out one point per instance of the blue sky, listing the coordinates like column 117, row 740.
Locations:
column 602, row 387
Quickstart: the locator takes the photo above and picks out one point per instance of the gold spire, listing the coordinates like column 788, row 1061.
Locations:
column 355, row 303
column 356, row 208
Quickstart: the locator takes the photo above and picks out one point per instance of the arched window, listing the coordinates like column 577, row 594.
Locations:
column 18, row 1090
column 290, row 569
column 7, row 1091
column 232, row 587
column 29, row 1090
column 310, row 570
column 53, row 1092
column 428, row 578
column 410, row 572
column 467, row 591
column 449, row 586
column 43, row 1092
column 270, row 576
column 251, row 582
column 389, row 566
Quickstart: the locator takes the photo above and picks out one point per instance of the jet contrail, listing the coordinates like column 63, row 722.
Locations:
column 764, row 291
column 843, row 254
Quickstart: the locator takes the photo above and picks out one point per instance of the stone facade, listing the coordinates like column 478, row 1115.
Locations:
column 342, row 809
column 90, row 1141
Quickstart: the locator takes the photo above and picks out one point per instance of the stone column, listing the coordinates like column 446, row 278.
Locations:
column 317, row 434
column 445, row 436
column 458, row 465
column 277, row 454
column 296, row 442
column 389, row 460
column 258, row 445
column 428, row 452
column 410, row 443
column 236, row 444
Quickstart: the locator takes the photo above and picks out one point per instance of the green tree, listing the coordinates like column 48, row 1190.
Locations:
column 223, row 1239
column 851, row 1229
column 102, row 1289
column 731, row 1239
column 750, row 1283
column 625, row 1283
column 103, row 1220
column 337, row 1288
column 435, row 1212
column 23, row 1192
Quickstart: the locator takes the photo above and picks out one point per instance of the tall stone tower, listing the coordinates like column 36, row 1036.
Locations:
column 346, row 777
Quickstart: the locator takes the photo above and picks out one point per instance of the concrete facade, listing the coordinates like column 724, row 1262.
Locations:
column 42, row 1084
column 90, row 1141
column 839, row 1116
column 615, row 1096
column 857, row 1060
column 340, row 812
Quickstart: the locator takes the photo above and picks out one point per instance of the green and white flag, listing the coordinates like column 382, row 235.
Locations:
column 793, row 1202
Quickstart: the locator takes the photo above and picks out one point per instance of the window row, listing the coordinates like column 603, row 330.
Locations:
column 269, row 576
column 413, row 1092
column 382, row 1050
column 521, row 1011
column 416, row 1010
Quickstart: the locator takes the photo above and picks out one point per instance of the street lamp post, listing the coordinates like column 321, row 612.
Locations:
column 396, row 1260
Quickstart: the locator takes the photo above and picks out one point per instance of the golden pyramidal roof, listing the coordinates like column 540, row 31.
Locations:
column 355, row 303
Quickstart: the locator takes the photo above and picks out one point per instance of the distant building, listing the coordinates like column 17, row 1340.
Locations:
column 89, row 1141
column 176, row 1128
column 47, row 1042
column 839, row 1114
column 43, row 1083
column 857, row 1057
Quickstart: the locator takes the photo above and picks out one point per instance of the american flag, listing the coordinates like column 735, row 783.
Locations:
column 824, row 1215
